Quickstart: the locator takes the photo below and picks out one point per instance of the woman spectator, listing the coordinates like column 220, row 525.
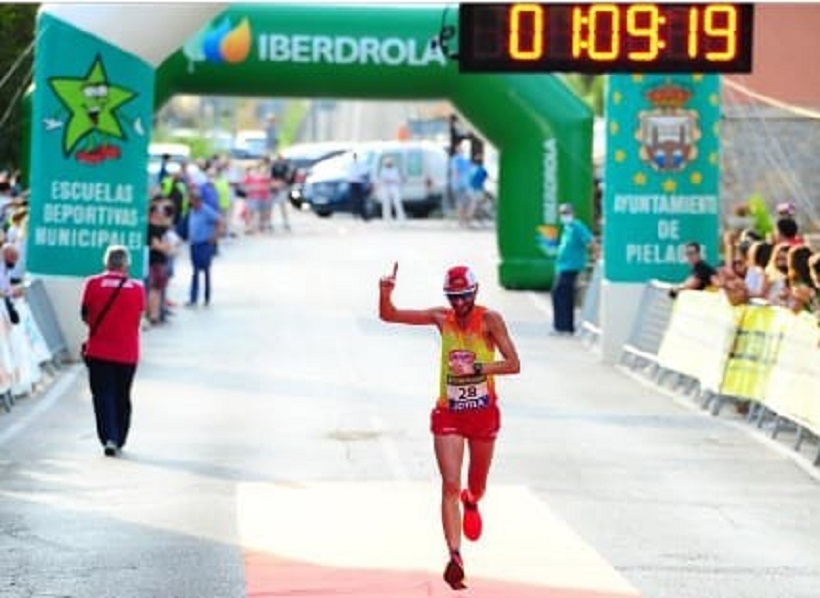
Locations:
column 158, row 250
column 756, row 261
column 257, row 192
column 775, row 290
column 802, row 293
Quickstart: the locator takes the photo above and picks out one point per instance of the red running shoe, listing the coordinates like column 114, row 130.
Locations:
column 472, row 518
column 454, row 572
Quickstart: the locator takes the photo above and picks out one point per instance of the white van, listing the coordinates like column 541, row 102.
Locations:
column 423, row 165
column 178, row 153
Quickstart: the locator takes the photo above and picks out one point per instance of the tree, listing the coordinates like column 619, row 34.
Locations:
column 590, row 88
column 17, row 22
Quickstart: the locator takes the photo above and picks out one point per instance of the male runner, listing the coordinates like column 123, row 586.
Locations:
column 467, row 406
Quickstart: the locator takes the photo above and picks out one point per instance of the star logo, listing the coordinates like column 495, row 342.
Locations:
column 92, row 102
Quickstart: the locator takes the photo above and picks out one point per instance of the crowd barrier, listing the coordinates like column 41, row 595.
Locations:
column 756, row 353
column 46, row 318
column 590, row 327
column 654, row 312
column 30, row 349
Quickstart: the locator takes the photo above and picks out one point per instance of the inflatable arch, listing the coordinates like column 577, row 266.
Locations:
column 101, row 71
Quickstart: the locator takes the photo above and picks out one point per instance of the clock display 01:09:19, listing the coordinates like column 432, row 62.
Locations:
column 608, row 35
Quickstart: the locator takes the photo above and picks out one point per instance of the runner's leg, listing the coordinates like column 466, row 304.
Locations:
column 450, row 456
column 481, row 456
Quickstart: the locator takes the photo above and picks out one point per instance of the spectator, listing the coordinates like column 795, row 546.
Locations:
column 730, row 279
column 802, row 294
column 223, row 188
column 701, row 276
column 257, row 194
column 388, row 183
column 175, row 189
column 6, row 194
column 787, row 231
column 112, row 307
column 757, row 259
column 159, row 221
column 358, row 178
column 571, row 259
column 280, row 175
column 17, row 235
column 478, row 178
column 814, row 269
column 163, row 168
column 460, row 184
column 266, row 197
column 774, row 285
column 203, row 224
column 8, row 287
column 173, row 241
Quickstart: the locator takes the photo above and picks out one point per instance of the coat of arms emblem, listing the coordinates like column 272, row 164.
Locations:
column 668, row 132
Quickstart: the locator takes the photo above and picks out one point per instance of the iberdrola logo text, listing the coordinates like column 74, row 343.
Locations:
column 343, row 49
column 220, row 43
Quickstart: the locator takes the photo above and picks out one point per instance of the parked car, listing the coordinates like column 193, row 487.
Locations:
column 423, row 166
column 304, row 156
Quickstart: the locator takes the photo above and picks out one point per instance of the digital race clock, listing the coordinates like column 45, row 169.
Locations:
column 598, row 38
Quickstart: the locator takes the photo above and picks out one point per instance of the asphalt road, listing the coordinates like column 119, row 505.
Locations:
column 280, row 448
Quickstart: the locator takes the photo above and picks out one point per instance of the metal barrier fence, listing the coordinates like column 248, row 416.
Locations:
column 651, row 321
column 590, row 328
column 26, row 353
column 755, row 354
column 43, row 313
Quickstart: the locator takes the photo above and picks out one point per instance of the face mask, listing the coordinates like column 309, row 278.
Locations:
column 10, row 265
column 566, row 218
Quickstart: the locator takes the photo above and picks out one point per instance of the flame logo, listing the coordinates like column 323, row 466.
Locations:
column 546, row 238
column 227, row 44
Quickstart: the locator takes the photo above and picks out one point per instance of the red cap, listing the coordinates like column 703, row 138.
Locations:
column 460, row 279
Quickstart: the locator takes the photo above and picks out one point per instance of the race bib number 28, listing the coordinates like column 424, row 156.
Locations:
column 467, row 394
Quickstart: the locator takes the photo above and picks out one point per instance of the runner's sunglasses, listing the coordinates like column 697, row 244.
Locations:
column 464, row 296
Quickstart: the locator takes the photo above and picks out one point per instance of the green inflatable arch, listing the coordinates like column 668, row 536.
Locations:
column 542, row 131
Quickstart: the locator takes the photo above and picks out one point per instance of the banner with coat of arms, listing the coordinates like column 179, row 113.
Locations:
column 661, row 175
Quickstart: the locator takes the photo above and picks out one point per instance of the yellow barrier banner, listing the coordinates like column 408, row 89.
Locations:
column 700, row 336
column 793, row 389
column 754, row 352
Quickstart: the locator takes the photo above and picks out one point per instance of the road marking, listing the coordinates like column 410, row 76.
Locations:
column 345, row 529
column 42, row 404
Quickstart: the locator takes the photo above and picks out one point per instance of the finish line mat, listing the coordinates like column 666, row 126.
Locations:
column 384, row 539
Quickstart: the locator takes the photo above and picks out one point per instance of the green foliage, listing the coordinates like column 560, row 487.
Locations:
column 294, row 114
column 17, row 22
column 590, row 88
column 759, row 210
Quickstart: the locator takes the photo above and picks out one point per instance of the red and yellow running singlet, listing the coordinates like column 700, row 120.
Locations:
column 465, row 393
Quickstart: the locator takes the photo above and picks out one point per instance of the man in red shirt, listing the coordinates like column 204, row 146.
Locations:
column 112, row 307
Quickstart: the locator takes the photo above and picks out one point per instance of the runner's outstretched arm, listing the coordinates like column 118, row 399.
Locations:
column 389, row 313
column 509, row 364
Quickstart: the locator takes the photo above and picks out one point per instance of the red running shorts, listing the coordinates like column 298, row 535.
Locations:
column 477, row 424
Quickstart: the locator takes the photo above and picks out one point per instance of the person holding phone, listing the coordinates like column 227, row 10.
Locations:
column 466, row 410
